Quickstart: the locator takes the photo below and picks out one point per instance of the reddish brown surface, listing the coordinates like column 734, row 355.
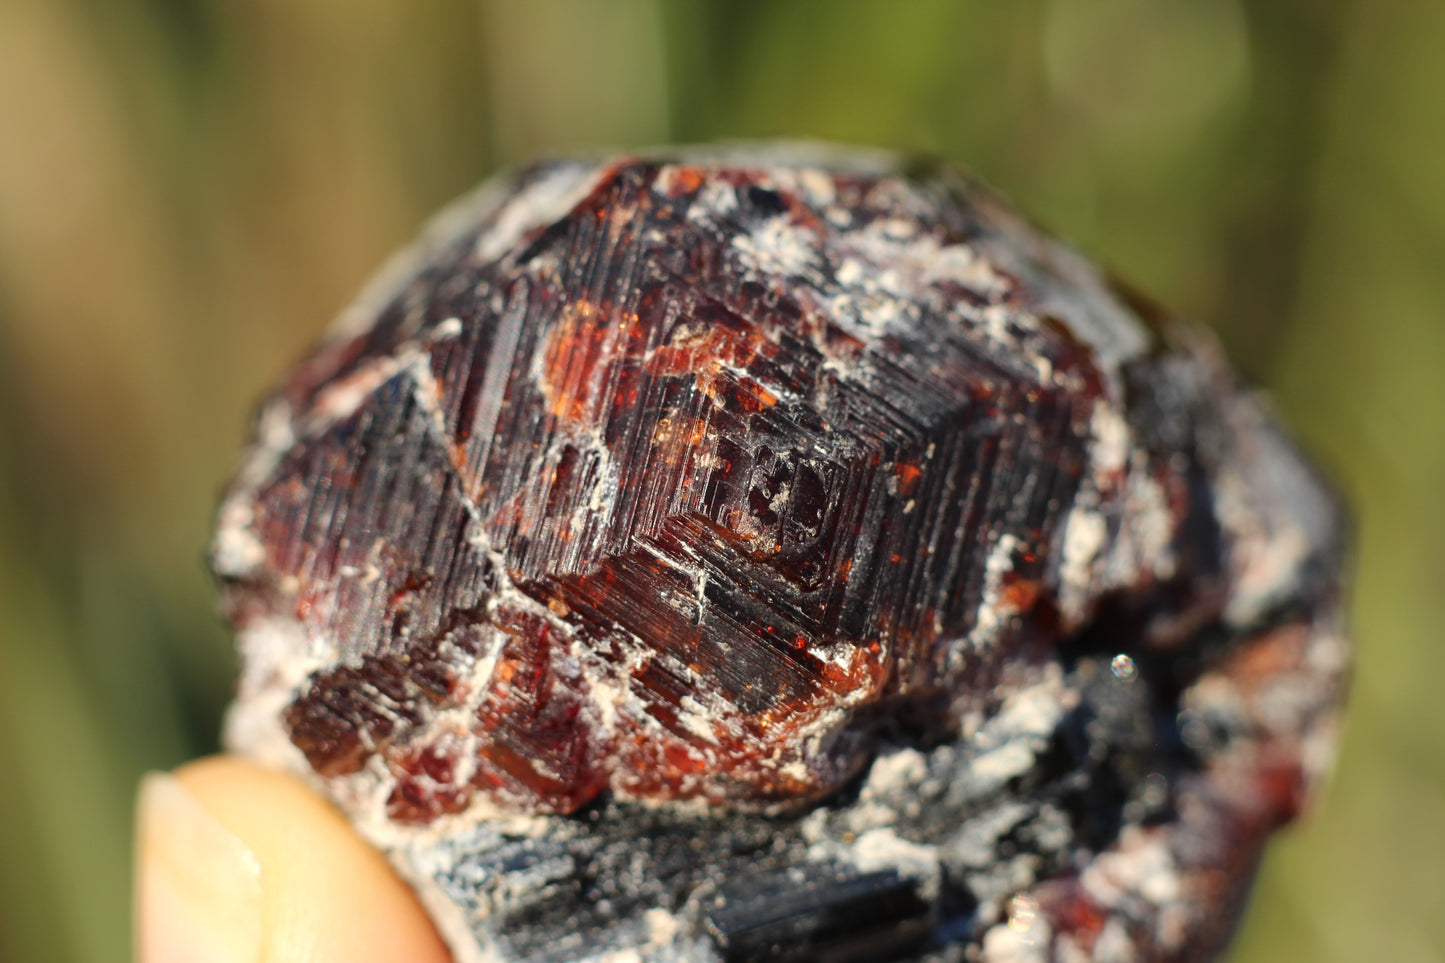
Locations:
column 788, row 527
column 664, row 482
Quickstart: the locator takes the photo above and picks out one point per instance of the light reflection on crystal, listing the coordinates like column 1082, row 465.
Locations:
column 1124, row 668
column 1023, row 919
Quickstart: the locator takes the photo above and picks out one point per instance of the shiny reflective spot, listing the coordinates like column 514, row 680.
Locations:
column 1024, row 920
column 1124, row 668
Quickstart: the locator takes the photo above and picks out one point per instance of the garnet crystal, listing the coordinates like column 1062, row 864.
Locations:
column 774, row 554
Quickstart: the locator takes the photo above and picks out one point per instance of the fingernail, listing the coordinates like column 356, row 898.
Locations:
column 198, row 886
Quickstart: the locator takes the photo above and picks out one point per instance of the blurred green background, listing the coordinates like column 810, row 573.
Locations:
column 189, row 189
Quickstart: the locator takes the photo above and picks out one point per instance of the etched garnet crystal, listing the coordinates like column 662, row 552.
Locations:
column 780, row 553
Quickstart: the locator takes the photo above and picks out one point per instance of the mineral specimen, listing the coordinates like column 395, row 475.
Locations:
column 782, row 554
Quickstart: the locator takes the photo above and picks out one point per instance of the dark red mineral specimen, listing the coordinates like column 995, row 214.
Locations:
column 775, row 554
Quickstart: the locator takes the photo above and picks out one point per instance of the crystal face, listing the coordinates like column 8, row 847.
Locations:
column 775, row 554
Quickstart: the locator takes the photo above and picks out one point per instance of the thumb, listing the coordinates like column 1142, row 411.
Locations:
column 238, row 864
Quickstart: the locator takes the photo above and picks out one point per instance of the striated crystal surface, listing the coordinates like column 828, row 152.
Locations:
column 774, row 553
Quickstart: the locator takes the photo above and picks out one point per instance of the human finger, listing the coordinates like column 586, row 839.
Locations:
column 240, row 864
